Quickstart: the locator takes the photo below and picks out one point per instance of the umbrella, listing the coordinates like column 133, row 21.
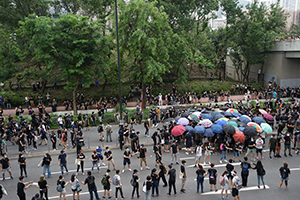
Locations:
column 185, row 114
column 177, row 118
column 258, row 120
column 232, row 110
column 192, row 110
column 239, row 135
column 227, row 114
column 213, row 113
column 183, row 121
column 216, row 128
column 197, row 113
column 236, row 114
column 229, row 129
column 169, row 119
column 255, row 125
column 241, row 124
column 206, row 123
column 178, row 130
column 263, row 111
column 221, row 122
column 250, row 131
column 266, row 127
column 224, row 118
column 199, row 129
column 208, row 133
column 189, row 128
column 217, row 116
column 244, row 119
column 234, row 119
column 268, row 117
column 194, row 117
column 233, row 123
column 207, row 116
column 224, row 108
column 242, row 128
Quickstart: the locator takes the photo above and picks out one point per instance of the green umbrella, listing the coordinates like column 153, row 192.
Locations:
column 192, row 110
column 266, row 127
column 194, row 117
column 233, row 123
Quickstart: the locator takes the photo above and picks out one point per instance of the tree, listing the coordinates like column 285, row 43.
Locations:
column 71, row 43
column 145, row 36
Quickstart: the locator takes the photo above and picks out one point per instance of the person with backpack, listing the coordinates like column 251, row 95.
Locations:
column 212, row 172
column 90, row 181
column 259, row 144
column 118, row 184
column 135, row 183
column 223, row 181
column 162, row 170
column 245, row 171
column 43, row 186
column 284, row 175
column 200, row 174
column 261, row 172
column 75, row 187
column 62, row 162
column 106, row 184
column 108, row 130
column 100, row 130
column 235, row 186
column 172, row 179
column 109, row 158
column 61, row 187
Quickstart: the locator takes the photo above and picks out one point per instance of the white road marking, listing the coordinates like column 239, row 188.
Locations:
column 187, row 158
column 241, row 190
column 75, row 170
column 295, row 169
column 70, row 195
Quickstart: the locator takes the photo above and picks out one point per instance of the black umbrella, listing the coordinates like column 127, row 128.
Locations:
column 224, row 108
column 185, row 114
column 250, row 131
column 169, row 119
column 229, row 129
column 241, row 124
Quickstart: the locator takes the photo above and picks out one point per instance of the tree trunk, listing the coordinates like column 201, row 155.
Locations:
column 144, row 95
column 44, row 86
column 74, row 99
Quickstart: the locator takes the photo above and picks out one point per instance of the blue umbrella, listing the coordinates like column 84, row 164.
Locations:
column 244, row 119
column 189, row 129
column 236, row 114
column 222, row 122
column 217, row 116
column 227, row 114
column 208, row 133
column 216, row 128
column 207, row 116
column 242, row 129
column 199, row 129
column 259, row 120
column 213, row 113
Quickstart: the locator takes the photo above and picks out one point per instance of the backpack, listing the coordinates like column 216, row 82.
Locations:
column 284, row 173
column 238, row 185
column 65, row 138
column 245, row 168
column 222, row 180
column 59, row 188
column 108, row 129
column 100, row 129
column 200, row 177
column 115, row 180
column 164, row 169
column 104, row 180
column 172, row 175
column 222, row 147
column 212, row 175
column 132, row 182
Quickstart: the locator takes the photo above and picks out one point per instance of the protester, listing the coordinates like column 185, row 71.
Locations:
column 154, row 179
column 61, row 187
column 46, row 163
column 213, row 174
column 148, row 185
column 95, row 161
column 23, row 163
column 200, row 174
column 174, row 152
column 162, row 170
column 198, row 154
column 118, row 184
column 224, row 182
column 43, row 186
column 260, row 173
column 109, row 158
column 172, row 179
column 106, row 180
column 284, row 173
column 126, row 159
column 251, row 148
column 259, row 146
column 245, row 171
column 80, row 162
column 143, row 157
column 183, row 176
column 108, row 130
column 135, row 183
column 5, row 166
column 235, row 186
column 90, row 181
column 62, row 162
column 272, row 145
column 74, row 183
column 287, row 143
column 21, row 187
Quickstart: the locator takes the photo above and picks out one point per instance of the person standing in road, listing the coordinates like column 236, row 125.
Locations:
column 200, row 174
column 109, row 158
column 272, row 146
column 148, row 184
column 108, row 130
column 287, row 143
column 106, row 180
column 80, row 162
column 198, row 154
column 260, row 173
column 143, row 157
column 63, row 185
column 118, row 184
column 154, row 179
column 43, row 186
column 284, row 175
column 46, row 163
column 182, row 176
column 62, row 162
column 212, row 172
column 234, row 189
column 99, row 154
column 126, row 159
column 135, row 183
column 251, row 148
column 259, row 146
column 146, row 125
column 245, row 171
column 90, row 181
column 73, row 182
column 162, row 170
column 224, row 185
column 172, row 179
column 95, row 161
column 5, row 166
column 23, row 163
column 21, row 187
column 174, row 152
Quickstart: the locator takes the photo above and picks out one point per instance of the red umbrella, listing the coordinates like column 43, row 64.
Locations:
column 178, row 130
column 239, row 135
column 269, row 117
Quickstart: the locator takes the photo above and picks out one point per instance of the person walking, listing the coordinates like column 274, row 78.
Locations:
column 148, row 185
column 21, row 187
column 172, row 179
column 224, row 182
column 245, row 171
column 62, row 162
column 106, row 180
column 182, row 176
column 260, row 173
column 5, row 166
column 43, row 186
column 198, row 154
column 61, row 187
column 154, row 179
column 213, row 174
column 208, row 150
column 95, row 161
column 23, row 163
column 109, row 158
column 234, row 186
column 73, row 183
column 90, row 181
column 284, row 172
column 174, row 152
column 46, row 163
column 200, row 174
column 162, row 170
column 118, row 184
column 135, row 183
column 108, row 130
column 126, row 159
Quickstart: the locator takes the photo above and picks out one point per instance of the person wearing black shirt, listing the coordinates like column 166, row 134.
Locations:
column 251, row 148
column 182, row 176
column 143, row 157
column 20, row 188
column 63, row 184
column 200, row 177
column 135, row 183
column 46, row 163
column 212, row 172
column 107, row 186
column 158, row 153
column 90, row 181
column 80, row 162
column 245, row 171
column 287, row 143
column 109, row 158
column 126, row 159
column 154, row 179
column 148, row 184
column 5, row 166
column 95, row 161
column 161, row 173
column 62, row 161
column 43, row 186
column 172, row 179
column 174, row 152
column 23, row 163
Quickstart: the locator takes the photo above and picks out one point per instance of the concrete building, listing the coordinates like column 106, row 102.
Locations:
column 282, row 66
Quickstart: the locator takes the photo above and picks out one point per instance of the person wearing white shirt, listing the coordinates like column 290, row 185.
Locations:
column 60, row 121
column 259, row 146
column 198, row 154
column 160, row 102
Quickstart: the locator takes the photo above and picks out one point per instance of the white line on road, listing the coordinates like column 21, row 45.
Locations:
column 294, row 169
column 241, row 190
column 187, row 158
column 70, row 195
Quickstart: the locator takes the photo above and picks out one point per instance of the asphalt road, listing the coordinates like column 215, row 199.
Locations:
column 251, row 192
